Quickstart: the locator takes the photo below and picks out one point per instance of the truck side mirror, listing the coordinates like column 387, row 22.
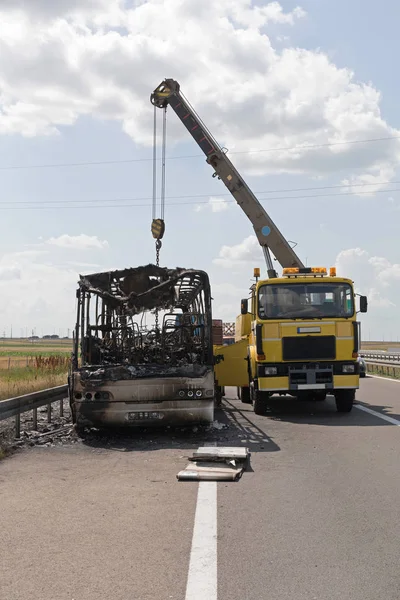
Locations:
column 363, row 304
column 244, row 306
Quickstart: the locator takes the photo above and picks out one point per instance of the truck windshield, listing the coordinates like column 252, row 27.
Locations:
column 305, row 301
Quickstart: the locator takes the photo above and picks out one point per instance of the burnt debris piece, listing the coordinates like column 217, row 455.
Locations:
column 117, row 342
column 210, row 463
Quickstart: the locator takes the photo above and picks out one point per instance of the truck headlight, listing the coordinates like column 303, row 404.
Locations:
column 271, row 370
column 348, row 368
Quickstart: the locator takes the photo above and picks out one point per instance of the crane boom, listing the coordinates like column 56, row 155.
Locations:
column 268, row 234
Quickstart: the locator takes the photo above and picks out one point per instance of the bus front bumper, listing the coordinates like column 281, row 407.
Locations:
column 126, row 414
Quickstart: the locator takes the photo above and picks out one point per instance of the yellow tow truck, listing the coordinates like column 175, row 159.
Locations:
column 299, row 334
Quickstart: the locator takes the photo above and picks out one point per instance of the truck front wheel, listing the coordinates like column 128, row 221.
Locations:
column 345, row 400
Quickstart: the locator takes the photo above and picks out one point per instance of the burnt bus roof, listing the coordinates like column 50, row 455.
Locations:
column 148, row 287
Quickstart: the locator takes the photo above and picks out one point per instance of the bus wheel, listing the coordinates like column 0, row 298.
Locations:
column 80, row 429
column 219, row 394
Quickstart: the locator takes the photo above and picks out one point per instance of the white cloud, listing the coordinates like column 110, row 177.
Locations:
column 227, row 298
column 9, row 273
column 63, row 59
column 369, row 182
column 227, row 290
column 374, row 276
column 214, row 204
column 226, row 311
column 82, row 265
column 35, row 293
column 248, row 251
column 77, row 242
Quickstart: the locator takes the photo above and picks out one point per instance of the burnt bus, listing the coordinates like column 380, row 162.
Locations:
column 143, row 352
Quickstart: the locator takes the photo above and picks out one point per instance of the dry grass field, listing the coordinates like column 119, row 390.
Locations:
column 30, row 366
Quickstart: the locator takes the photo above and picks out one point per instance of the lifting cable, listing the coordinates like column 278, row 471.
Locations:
column 158, row 224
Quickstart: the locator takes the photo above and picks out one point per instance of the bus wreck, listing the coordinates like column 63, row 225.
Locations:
column 143, row 352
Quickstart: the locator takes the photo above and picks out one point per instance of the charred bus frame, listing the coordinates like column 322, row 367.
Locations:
column 126, row 372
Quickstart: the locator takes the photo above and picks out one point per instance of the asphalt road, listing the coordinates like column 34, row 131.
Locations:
column 315, row 517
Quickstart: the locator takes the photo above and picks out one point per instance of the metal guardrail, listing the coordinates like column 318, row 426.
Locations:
column 383, row 368
column 380, row 356
column 14, row 407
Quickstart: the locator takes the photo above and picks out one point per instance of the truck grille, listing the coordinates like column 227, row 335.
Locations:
column 309, row 348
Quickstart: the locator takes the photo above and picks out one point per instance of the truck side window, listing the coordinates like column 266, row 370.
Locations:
column 346, row 302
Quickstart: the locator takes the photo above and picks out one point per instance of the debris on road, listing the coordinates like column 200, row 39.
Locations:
column 218, row 425
column 211, row 463
column 59, row 432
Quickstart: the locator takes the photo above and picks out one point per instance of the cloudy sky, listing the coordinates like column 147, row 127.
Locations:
column 304, row 95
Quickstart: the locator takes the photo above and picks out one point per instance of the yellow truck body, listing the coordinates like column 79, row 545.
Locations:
column 298, row 336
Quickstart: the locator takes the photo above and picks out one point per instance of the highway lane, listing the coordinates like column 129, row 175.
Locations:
column 85, row 524
column 320, row 517
column 316, row 515
column 381, row 394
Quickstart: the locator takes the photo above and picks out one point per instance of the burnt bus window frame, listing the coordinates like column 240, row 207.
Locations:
column 107, row 314
column 291, row 284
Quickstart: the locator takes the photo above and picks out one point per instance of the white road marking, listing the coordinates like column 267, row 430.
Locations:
column 202, row 578
column 377, row 414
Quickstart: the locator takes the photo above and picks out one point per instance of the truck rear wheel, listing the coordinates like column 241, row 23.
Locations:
column 260, row 399
column 345, row 400
column 260, row 403
column 245, row 395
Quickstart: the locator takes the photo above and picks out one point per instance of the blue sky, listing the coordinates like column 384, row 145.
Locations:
column 75, row 86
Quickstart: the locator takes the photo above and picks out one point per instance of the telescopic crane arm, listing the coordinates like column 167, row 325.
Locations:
column 270, row 238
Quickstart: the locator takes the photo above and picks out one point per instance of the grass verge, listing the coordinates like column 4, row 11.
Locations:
column 391, row 373
column 24, row 380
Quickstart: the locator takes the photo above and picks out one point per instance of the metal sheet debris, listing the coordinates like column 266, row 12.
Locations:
column 221, row 453
column 211, row 463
